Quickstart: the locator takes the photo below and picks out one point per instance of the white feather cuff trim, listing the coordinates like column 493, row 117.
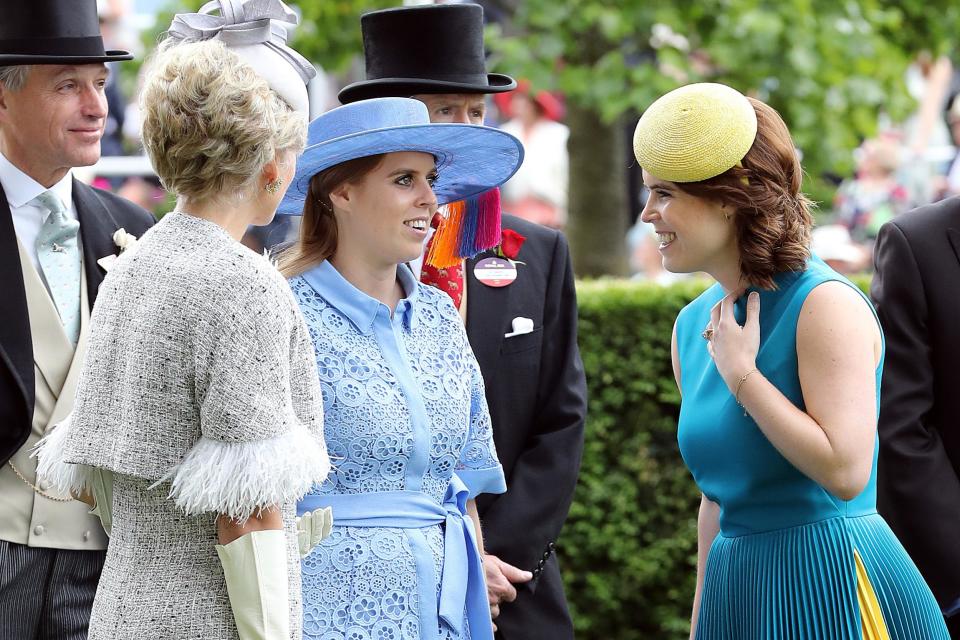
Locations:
column 66, row 477
column 238, row 478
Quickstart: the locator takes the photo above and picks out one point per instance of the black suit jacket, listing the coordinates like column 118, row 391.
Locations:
column 916, row 289
column 100, row 215
column 536, row 391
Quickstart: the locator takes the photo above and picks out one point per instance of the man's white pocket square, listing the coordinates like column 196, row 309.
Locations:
column 520, row 326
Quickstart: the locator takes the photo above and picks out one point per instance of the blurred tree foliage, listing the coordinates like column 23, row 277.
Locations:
column 830, row 68
column 328, row 33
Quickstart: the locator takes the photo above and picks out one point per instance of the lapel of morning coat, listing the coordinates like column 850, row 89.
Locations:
column 97, row 226
column 56, row 359
column 16, row 350
column 954, row 236
column 487, row 312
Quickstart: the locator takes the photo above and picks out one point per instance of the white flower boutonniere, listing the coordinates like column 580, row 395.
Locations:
column 124, row 240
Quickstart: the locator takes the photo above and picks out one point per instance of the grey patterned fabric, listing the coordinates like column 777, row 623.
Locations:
column 58, row 253
column 192, row 335
column 162, row 579
column 199, row 385
column 45, row 594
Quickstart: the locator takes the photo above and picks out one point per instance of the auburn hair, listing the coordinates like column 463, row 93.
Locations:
column 772, row 216
column 318, row 227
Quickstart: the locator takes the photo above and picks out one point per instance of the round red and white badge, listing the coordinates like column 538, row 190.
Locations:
column 495, row 272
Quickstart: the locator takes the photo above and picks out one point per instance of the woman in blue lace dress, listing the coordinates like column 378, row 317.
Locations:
column 405, row 417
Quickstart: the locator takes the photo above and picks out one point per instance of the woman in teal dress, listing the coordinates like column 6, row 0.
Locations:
column 779, row 367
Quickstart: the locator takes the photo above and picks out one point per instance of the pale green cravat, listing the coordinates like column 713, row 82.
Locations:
column 59, row 254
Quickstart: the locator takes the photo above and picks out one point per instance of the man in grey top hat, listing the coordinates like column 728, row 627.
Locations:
column 524, row 335
column 55, row 234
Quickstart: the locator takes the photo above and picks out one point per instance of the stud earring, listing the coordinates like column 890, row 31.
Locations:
column 273, row 186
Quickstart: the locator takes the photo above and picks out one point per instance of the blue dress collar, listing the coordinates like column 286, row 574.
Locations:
column 360, row 308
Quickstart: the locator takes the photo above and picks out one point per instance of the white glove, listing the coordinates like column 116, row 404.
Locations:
column 255, row 569
column 312, row 527
column 101, row 481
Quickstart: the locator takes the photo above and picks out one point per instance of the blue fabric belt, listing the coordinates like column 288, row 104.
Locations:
column 462, row 585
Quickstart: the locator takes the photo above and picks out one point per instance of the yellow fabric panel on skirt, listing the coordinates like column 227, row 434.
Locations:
column 871, row 617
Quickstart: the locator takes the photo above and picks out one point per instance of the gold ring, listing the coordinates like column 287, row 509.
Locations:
column 707, row 334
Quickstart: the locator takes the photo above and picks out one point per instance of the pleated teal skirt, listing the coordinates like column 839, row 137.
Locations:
column 792, row 561
column 800, row 583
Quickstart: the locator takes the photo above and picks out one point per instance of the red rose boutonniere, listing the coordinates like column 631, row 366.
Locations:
column 510, row 243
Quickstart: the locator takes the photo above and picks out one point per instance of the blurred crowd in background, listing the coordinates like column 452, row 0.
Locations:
column 537, row 192
column 906, row 164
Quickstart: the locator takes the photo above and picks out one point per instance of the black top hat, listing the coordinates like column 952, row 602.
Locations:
column 53, row 32
column 424, row 49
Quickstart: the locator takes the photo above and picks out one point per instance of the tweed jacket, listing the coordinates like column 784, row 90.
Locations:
column 200, row 393
column 198, row 344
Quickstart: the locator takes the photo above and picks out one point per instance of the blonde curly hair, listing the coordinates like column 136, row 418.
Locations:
column 211, row 123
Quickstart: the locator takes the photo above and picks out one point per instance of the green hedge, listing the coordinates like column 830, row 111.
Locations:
column 628, row 550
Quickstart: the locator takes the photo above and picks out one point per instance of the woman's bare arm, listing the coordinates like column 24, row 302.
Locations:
column 229, row 529
column 838, row 347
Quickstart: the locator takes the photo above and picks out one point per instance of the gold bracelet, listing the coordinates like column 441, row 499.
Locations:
column 743, row 379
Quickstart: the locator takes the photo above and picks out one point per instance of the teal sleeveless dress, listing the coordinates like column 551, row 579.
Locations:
column 785, row 563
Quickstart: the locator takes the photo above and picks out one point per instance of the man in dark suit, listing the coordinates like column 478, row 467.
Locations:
column 54, row 235
column 917, row 292
column 524, row 335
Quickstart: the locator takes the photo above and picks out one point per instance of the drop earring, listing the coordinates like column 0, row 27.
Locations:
column 273, row 186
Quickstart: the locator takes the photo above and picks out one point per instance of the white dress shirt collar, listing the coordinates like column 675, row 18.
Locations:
column 20, row 188
column 28, row 216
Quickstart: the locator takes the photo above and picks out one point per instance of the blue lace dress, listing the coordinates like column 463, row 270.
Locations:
column 409, row 433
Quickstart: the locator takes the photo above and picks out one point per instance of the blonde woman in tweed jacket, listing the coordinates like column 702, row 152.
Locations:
column 199, row 394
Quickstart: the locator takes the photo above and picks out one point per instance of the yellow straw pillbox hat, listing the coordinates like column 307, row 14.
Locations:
column 695, row 132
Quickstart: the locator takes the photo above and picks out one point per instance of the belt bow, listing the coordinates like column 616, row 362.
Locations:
column 462, row 586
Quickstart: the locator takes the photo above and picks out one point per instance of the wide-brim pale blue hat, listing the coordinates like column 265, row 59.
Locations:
column 471, row 159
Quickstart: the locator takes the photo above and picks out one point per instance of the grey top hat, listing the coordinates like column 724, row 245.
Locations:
column 53, row 32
